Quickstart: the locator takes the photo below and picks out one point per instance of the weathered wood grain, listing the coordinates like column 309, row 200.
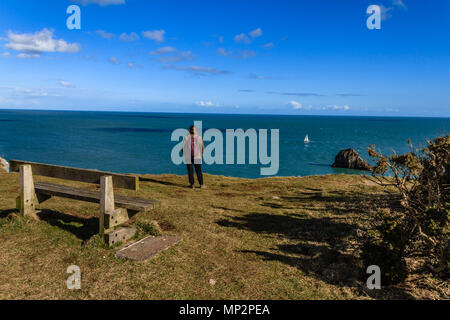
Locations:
column 51, row 189
column 123, row 181
column 117, row 218
column 27, row 198
column 119, row 235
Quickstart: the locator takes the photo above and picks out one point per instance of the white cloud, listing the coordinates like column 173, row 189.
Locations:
column 6, row 54
column 223, row 52
column 131, row 65
column 399, row 3
column 38, row 42
column 219, row 38
column 206, row 104
column 256, row 33
column 28, row 56
column 182, row 56
column 242, row 38
column 385, row 12
column 210, row 104
column 247, row 54
column 20, row 96
column 114, row 60
column 179, row 56
column 129, row 37
column 295, row 105
column 199, row 71
column 35, row 93
column 155, row 35
column 269, row 45
column 163, row 50
column 66, row 84
column 298, row 106
column 100, row 2
column 105, row 35
column 258, row 76
column 391, row 110
column 345, row 107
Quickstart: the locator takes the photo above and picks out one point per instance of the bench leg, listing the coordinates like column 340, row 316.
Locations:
column 120, row 235
column 119, row 217
column 106, row 201
column 110, row 217
column 27, row 201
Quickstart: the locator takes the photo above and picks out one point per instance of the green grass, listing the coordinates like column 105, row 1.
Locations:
column 272, row 238
column 145, row 228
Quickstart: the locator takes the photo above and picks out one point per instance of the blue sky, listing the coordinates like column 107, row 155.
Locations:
column 282, row 57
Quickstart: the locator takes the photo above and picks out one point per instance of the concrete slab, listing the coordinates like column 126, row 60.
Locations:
column 147, row 248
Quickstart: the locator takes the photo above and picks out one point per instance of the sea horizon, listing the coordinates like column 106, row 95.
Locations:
column 236, row 114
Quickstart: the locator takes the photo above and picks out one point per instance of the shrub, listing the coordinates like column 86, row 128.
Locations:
column 422, row 178
column 386, row 249
column 393, row 268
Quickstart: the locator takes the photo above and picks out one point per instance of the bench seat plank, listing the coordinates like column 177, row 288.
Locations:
column 132, row 203
column 123, row 181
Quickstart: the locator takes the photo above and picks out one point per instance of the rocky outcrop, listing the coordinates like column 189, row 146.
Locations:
column 350, row 159
column 4, row 165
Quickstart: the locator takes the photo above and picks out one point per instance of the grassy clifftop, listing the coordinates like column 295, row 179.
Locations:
column 272, row 238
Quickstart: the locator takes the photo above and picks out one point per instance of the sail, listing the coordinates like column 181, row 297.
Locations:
column 306, row 139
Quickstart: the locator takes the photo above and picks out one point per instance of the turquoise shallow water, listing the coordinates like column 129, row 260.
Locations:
column 140, row 142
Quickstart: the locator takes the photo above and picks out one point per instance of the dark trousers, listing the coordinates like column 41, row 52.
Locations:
column 198, row 171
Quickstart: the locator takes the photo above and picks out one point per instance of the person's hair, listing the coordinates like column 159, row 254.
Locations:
column 191, row 127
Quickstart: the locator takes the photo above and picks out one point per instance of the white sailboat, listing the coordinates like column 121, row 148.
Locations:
column 306, row 139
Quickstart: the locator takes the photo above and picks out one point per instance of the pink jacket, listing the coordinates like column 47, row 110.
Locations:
column 197, row 150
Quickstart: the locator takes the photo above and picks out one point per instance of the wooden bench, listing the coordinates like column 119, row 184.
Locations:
column 114, row 209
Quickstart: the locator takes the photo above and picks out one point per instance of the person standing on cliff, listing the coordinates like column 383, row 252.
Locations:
column 193, row 149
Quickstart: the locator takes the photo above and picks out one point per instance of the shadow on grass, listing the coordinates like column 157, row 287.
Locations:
column 82, row 228
column 320, row 243
column 7, row 212
column 227, row 209
column 166, row 183
column 337, row 202
column 324, row 248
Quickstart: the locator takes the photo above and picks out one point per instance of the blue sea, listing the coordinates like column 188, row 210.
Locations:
column 141, row 142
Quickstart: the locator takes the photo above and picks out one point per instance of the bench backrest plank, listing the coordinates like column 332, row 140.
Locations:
column 123, row 181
